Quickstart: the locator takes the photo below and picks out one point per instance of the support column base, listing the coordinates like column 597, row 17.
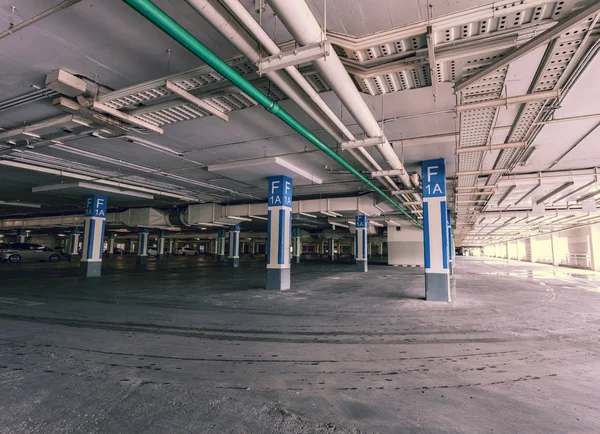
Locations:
column 362, row 266
column 278, row 279
column 142, row 259
column 297, row 259
column 332, row 258
column 451, row 268
column 90, row 269
column 437, row 287
column 234, row 262
column 222, row 258
column 72, row 258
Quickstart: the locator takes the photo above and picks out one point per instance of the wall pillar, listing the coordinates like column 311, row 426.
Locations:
column 296, row 244
column 279, row 232
column 252, row 247
column 450, row 244
column 435, row 231
column 93, row 235
column 380, row 248
column 160, row 248
column 331, row 249
column 234, row 246
column 555, row 255
column 170, row 248
column 110, row 246
column 142, row 250
column 73, row 253
column 221, row 245
column 361, row 244
column 21, row 235
column 131, row 246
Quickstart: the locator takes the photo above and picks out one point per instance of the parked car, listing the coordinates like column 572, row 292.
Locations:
column 118, row 251
column 186, row 251
column 18, row 252
column 152, row 251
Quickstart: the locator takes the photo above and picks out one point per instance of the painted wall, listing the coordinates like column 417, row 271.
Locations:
column 405, row 247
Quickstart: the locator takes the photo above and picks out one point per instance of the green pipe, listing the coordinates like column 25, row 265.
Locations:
column 154, row 14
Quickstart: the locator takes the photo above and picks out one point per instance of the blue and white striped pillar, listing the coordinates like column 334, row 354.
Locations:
column 332, row 249
column 435, row 230
column 21, row 235
column 221, row 245
column 296, row 244
column 279, row 232
column 74, row 244
column 93, row 235
column 131, row 246
column 450, row 244
column 111, row 244
column 361, row 244
column 170, row 248
column 160, row 250
column 142, row 250
column 234, row 246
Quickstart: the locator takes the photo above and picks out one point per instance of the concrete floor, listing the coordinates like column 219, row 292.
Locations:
column 183, row 345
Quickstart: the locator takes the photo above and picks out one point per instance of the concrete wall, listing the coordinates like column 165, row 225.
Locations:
column 405, row 247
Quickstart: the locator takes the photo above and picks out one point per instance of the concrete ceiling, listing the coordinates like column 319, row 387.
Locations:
column 110, row 44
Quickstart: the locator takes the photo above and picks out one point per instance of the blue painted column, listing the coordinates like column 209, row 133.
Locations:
column 450, row 244
column 21, row 235
column 435, row 230
column 296, row 244
column 73, row 253
column 279, row 232
column 93, row 235
column 360, row 243
column 142, row 248
column 221, row 245
column 160, row 248
column 234, row 246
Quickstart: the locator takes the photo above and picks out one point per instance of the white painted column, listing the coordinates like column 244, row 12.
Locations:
column 296, row 244
column 234, row 246
column 74, row 244
column 21, row 236
column 111, row 244
column 142, row 250
column 361, row 244
column 435, row 231
column 160, row 248
column 93, row 235
column 221, row 245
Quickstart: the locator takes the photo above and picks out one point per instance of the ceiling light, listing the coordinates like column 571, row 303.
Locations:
column 243, row 219
column 202, row 229
column 258, row 217
column 379, row 225
column 334, row 224
column 22, row 204
column 27, row 133
column 220, row 225
column 308, row 215
column 56, row 142
column 80, row 122
column 350, row 222
column 151, row 145
column 393, row 222
column 94, row 187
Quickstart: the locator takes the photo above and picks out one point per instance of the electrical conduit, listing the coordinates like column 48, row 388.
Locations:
column 155, row 15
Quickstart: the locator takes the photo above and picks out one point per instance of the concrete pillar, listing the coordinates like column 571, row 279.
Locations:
column 73, row 253
column 111, row 244
column 160, row 248
column 555, row 255
column 451, row 244
column 221, row 245
column 170, row 248
column 331, row 249
column 252, row 247
column 369, row 249
column 435, row 230
column 21, row 235
column 296, row 244
column 380, row 248
column 279, row 232
column 131, row 246
column 142, row 250
column 322, row 248
column 361, row 243
column 93, row 235
column 234, row 246
column 594, row 246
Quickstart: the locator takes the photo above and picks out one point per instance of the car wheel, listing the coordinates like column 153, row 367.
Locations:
column 53, row 258
column 196, row 253
column 13, row 259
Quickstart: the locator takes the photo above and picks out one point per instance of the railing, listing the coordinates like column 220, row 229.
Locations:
column 578, row 260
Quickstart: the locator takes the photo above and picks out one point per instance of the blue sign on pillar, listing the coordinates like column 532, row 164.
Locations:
column 234, row 246
column 279, row 233
column 435, row 230
column 93, row 236
column 360, row 243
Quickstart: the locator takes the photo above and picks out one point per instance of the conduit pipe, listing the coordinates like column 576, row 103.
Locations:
column 218, row 17
column 151, row 12
column 303, row 26
column 241, row 13
column 63, row 5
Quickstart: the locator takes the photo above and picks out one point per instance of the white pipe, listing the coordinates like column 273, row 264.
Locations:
column 222, row 21
column 303, row 26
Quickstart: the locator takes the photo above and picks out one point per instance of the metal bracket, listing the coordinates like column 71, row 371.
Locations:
column 370, row 141
column 297, row 56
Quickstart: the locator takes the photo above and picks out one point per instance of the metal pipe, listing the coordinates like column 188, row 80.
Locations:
column 63, row 5
column 244, row 41
column 303, row 26
column 151, row 12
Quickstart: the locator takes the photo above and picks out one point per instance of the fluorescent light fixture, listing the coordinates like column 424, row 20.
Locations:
column 27, row 133
column 257, row 217
column 57, row 142
column 213, row 224
column 393, row 222
column 339, row 224
column 151, row 145
column 308, row 215
column 22, row 204
column 202, row 229
column 60, row 235
column 80, row 122
column 379, row 208
column 92, row 186
column 243, row 219
column 379, row 225
column 12, row 142
column 350, row 222
column 363, row 212
column 331, row 213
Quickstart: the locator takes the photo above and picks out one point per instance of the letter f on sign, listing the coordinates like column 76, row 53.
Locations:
column 430, row 172
column 274, row 186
